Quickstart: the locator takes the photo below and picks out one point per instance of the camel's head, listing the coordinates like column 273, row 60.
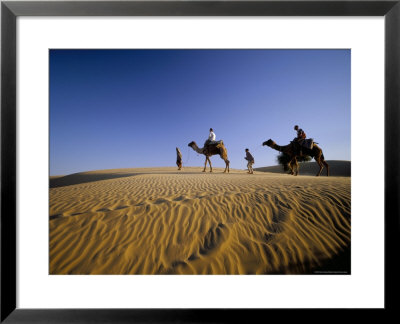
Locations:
column 192, row 143
column 270, row 142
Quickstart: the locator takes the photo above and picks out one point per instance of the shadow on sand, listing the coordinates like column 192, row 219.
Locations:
column 339, row 264
column 78, row 178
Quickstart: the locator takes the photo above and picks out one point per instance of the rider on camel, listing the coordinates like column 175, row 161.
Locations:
column 211, row 137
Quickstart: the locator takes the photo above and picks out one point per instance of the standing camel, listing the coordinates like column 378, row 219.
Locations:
column 213, row 149
column 293, row 151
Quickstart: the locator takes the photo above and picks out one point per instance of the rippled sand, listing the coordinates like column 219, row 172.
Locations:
column 164, row 221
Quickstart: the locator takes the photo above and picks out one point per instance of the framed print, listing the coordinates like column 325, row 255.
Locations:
column 122, row 234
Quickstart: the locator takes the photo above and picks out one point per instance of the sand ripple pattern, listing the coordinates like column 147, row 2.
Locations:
column 196, row 223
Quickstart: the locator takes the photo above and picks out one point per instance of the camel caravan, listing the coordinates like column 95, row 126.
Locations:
column 300, row 146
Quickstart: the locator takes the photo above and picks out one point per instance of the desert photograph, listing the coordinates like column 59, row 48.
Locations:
column 200, row 162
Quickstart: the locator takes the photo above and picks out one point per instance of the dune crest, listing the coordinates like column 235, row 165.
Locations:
column 337, row 168
column 160, row 221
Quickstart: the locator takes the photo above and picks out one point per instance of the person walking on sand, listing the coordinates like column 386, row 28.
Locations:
column 250, row 160
column 211, row 137
column 178, row 158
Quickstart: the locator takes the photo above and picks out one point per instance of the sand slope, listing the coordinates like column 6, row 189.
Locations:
column 337, row 168
column 164, row 221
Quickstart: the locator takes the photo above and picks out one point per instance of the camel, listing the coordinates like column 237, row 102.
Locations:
column 293, row 150
column 213, row 149
column 178, row 158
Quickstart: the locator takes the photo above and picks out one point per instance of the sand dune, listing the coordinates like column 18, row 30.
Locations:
column 337, row 168
column 164, row 221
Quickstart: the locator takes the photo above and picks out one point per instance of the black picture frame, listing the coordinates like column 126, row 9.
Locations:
column 10, row 10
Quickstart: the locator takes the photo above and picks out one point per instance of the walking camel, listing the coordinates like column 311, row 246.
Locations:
column 293, row 151
column 210, row 150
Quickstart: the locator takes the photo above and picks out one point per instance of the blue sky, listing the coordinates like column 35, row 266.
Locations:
column 131, row 108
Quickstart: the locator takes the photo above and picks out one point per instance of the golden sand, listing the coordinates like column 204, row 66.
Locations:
column 164, row 221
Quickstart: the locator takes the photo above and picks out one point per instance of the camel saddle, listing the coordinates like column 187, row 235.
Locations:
column 216, row 143
column 308, row 143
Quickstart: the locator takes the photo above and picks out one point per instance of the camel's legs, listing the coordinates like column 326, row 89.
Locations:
column 327, row 167
column 320, row 166
column 225, row 160
column 296, row 167
column 205, row 164
column 290, row 167
column 226, row 166
column 293, row 166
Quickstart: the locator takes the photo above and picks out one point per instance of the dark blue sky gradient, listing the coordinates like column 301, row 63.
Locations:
column 131, row 108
